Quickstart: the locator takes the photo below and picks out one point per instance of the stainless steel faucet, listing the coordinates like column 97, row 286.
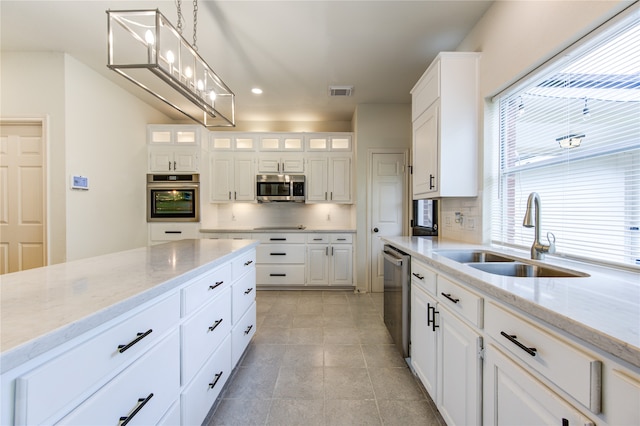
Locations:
column 537, row 249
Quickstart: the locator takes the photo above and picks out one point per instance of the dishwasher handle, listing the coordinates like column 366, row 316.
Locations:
column 391, row 258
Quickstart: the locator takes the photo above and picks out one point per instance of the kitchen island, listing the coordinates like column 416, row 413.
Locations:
column 492, row 348
column 144, row 307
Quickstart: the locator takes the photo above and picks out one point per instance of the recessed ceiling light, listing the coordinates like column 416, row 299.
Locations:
column 256, row 91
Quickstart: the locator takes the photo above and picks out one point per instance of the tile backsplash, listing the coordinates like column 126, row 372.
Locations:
column 461, row 219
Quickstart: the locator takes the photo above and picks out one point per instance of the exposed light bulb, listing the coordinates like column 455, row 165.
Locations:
column 149, row 38
column 170, row 58
column 212, row 95
column 200, row 85
column 188, row 72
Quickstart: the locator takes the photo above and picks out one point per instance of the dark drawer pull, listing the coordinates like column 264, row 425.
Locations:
column 249, row 290
column 122, row 348
column 248, row 262
column 278, row 254
column 248, row 329
column 277, row 239
column 512, row 338
column 217, row 284
column 141, row 403
column 173, row 232
column 418, row 276
column 448, row 296
column 215, row 324
column 215, row 381
column 317, row 239
column 277, row 275
column 342, row 239
column 431, row 317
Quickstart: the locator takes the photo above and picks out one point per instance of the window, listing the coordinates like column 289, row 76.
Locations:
column 571, row 133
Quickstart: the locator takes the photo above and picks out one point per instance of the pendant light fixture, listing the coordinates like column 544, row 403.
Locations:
column 147, row 50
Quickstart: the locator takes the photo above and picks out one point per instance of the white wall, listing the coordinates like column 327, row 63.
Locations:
column 515, row 37
column 96, row 129
column 375, row 126
column 105, row 141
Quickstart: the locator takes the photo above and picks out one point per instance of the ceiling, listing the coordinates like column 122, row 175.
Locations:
column 294, row 50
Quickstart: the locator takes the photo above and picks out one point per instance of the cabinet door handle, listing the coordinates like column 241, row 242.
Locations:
column 248, row 329
column 277, row 275
column 249, row 290
column 513, row 339
column 173, row 232
column 431, row 184
column 325, row 196
column 278, row 254
column 169, row 165
column 140, row 336
column 332, row 251
column 217, row 284
column 174, row 165
column 326, row 251
column 248, row 262
column 141, row 403
column 215, row 325
column 229, row 194
column 431, row 317
column 418, row 276
column 448, row 296
column 215, row 380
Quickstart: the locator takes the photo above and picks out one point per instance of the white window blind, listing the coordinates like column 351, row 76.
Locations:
column 589, row 185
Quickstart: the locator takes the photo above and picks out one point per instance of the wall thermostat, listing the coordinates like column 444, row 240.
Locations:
column 79, row 182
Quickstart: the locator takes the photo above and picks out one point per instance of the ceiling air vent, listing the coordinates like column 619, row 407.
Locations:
column 340, row 90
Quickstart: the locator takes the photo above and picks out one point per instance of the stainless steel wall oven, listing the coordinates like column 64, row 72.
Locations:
column 173, row 198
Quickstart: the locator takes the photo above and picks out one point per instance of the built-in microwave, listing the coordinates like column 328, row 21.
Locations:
column 280, row 188
column 173, row 198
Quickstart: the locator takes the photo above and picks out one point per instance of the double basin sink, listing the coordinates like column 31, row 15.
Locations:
column 501, row 264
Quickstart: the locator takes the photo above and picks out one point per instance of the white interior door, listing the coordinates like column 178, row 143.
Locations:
column 387, row 208
column 22, row 196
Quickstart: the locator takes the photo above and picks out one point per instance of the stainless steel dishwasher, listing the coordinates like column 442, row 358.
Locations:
column 397, row 296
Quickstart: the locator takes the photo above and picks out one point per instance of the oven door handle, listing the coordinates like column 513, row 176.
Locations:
column 176, row 185
column 389, row 256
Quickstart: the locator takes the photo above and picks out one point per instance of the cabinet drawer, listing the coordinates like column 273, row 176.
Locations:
column 173, row 231
column 423, row 277
column 289, row 238
column 198, row 398
column 139, row 387
column 45, row 390
column 461, row 301
column 574, row 371
column 280, row 253
column 203, row 333
column 318, row 239
column 243, row 263
column 244, row 294
column 172, row 416
column 242, row 333
column 426, row 91
column 342, row 238
column 205, row 288
column 280, row 275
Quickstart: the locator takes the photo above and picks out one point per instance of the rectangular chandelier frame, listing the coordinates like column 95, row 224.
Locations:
column 147, row 50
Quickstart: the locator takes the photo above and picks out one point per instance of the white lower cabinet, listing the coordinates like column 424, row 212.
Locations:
column 513, row 396
column 243, row 331
column 330, row 260
column 199, row 395
column 281, row 260
column 424, row 338
column 459, row 393
column 138, row 395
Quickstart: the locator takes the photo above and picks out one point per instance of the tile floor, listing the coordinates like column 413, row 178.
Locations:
column 322, row 358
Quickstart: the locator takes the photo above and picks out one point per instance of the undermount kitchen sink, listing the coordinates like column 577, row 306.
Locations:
column 474, row 256
column 505, row 265
column 517, row 269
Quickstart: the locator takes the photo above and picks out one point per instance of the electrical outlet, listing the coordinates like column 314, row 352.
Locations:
column 447, row 221
column 470, row 223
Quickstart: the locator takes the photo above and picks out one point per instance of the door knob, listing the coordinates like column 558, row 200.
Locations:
column 375, row 229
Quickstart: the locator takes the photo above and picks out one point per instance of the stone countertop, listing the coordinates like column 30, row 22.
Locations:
column 277, row 229
column 602, row 309
column 44, row 307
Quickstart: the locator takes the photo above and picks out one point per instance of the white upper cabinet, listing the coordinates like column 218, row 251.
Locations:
column 174, row 148
column 328, row 142
column 445, row 128
column 281, row 142
column 227, row 141
column 329, row 179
